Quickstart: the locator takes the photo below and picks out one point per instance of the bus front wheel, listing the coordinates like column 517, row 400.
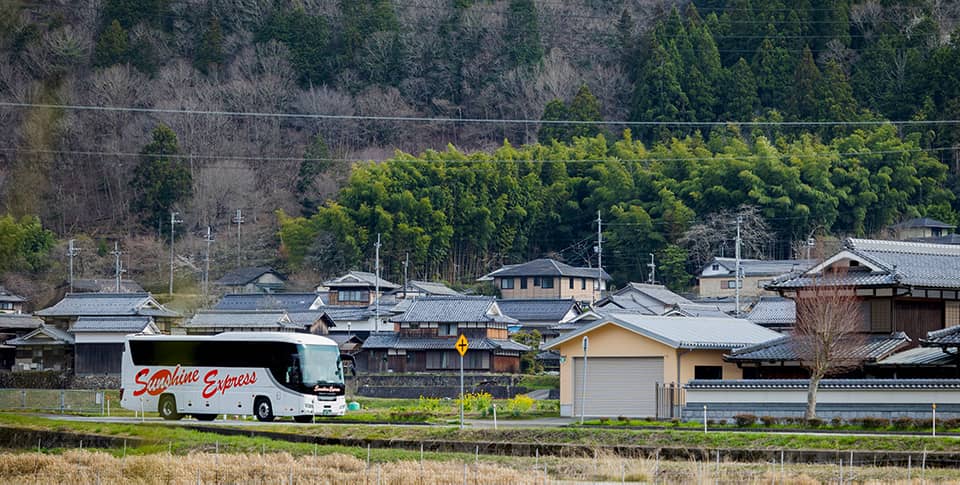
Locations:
column 263, row 409
column 168, row 408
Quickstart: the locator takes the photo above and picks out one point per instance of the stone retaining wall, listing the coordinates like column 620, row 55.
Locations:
column 56, row 380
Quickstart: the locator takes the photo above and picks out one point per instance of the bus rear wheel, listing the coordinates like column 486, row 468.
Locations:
column 303, row 418
column 263, row 409
column 205, row 417
column 168, row 408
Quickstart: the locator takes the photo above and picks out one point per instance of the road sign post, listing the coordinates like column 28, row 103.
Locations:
column 462, row 346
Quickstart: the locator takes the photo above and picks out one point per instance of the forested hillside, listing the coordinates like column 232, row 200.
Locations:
column 701, row 107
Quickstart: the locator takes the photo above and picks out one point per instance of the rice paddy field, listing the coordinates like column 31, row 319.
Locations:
column 205, row 467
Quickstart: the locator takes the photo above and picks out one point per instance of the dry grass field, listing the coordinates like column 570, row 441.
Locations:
column 98, row 467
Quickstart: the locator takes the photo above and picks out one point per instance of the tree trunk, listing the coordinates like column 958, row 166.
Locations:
column 811, row 412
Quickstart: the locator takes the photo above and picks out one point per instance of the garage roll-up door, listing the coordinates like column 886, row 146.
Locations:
column 617, row 386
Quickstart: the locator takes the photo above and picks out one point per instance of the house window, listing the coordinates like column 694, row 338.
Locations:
column 546, row 283
column 6, row 306
column 715, row 267
column 506, row 283
column 536, row 281
column 447, row 330
column 571, row 282
column 731, row 284
column 713, row 372
column 523, row 283
column 583, row 283
column 353, row 295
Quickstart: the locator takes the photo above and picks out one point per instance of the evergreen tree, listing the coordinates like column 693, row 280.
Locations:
column 308, row 39
column 555, row 110
column 316, row 161
column 584, row 107
column 522, row 36
column 210, row 50
column 112, row 47
column 740, row 93
column 773, row 69
column 160, row 180
column 804, row 101
column 360, row 19
column 672, row 268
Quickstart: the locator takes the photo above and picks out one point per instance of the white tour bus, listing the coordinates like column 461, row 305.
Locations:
column 266, row 374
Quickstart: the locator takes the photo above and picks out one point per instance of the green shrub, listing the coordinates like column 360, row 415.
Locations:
column 923, row 423
column 521, row 403
column 768, row 421
column 872, row 422
column 903, row 422
column 743, row 420
column 950, row 423
column 814, row 423
column 430, row 405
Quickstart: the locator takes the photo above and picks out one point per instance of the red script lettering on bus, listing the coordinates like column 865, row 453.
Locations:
column 163, row 379
column 228, row 381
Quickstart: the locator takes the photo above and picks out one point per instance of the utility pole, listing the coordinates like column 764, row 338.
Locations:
column 238, row 219
column 377, row 283
column 206, row 270
column 599, row 255
column 71, row 252
column 406, row 262
column 116, row 264
column 653, row 270
column 737, row 270
column 173, row 222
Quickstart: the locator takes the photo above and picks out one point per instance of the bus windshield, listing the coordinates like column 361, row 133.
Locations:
column 321, row 364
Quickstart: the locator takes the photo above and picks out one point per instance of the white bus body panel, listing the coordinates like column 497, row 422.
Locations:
column 213, row 390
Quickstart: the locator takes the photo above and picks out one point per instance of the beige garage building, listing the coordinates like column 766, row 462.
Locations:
column 630, row 357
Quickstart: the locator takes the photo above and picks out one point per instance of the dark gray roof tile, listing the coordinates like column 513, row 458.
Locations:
column 453, row 309
column 131, row 324
column 107, row 304
column 869, row 348
column 537, row 310
column 549, row 267
column 243, row 276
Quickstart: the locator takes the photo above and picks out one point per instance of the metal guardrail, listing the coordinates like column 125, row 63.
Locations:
column 58, row 400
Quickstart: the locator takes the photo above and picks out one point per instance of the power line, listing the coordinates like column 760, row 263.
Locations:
column 650, row 158
column 433, row 119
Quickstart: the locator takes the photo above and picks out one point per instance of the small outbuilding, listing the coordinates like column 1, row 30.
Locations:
column 635, row 363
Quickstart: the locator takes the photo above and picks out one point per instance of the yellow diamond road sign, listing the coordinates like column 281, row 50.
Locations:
column 462, row 345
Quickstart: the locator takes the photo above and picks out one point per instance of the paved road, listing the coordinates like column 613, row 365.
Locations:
column 250, row 421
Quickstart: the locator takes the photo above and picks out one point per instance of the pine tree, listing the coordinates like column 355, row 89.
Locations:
column 772, row 67
column 805, row 102
column 584, row 107
column 555, row 110
column 160, row 180
column 210, row 51
column 112, row 46
column 740, row 93
column 522, row 36
column 316, row 161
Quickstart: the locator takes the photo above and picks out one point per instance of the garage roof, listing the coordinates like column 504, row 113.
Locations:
column 681, row 332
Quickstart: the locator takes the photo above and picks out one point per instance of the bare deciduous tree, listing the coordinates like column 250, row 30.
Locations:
column 707, row 239
column 827, row 335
